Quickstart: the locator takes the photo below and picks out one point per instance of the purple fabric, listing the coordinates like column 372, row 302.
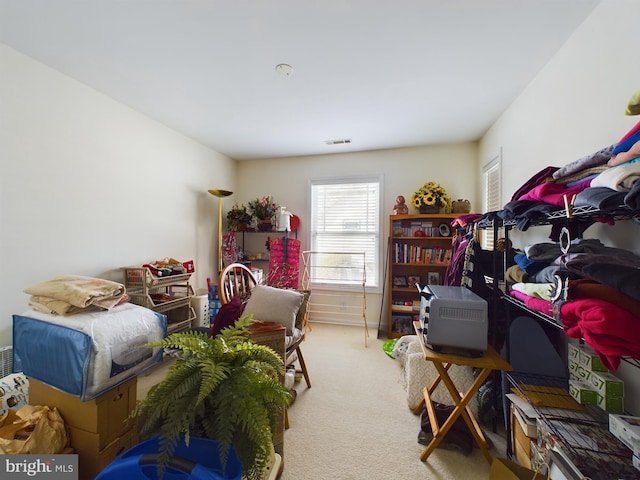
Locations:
column 553, row 193
column 226, row 316
column 538, row 178
column 453, row 274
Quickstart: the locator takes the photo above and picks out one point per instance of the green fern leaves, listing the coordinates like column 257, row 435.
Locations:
column 225, row 388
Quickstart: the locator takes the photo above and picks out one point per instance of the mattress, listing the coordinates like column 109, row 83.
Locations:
column 88, row 353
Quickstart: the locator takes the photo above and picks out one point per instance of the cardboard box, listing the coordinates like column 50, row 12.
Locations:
column 611, row 404
column 520, row 441
column 583, row 393
column 522, row 456
column 503, row 469
column 590, row 360
column 91, row 458
column 573, row 352
column 106, row 414
column 578, row 372
column 627, row 429
column 607, row 384
column 585, row 356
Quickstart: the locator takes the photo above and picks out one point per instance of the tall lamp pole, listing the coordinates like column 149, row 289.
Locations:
column 220, row 194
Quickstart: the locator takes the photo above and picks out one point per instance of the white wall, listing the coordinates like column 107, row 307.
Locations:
column 574, row 107
column 403, row 170
column 89, row 185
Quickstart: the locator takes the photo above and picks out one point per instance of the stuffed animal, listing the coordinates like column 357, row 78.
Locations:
column 400, row 208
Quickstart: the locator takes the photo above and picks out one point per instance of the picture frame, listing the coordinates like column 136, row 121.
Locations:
column 402, row 324
column 413, row 280
column 433, row 278
column 400, row 281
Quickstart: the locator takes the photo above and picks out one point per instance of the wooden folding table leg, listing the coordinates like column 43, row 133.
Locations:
column 462, row 408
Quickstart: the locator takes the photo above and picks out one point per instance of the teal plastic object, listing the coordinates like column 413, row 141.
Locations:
column 199, row 461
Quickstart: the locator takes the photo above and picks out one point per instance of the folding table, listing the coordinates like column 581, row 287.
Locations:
column 487, row 363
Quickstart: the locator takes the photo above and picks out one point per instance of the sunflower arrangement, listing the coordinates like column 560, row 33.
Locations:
column 431, row 194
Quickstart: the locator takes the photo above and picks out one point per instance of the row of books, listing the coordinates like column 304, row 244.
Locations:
column 409, row 230
column 408, row 253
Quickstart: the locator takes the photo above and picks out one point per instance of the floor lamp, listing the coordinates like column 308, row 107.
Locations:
column 220, row 194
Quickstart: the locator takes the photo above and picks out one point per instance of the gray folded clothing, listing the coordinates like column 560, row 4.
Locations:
column 632, row 198
column 600, row 157
column 623, row 278
column 603, row 198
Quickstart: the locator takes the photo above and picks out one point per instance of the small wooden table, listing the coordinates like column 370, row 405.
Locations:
column 489, row 362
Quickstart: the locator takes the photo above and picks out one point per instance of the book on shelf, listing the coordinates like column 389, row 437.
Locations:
column 406, row 306
column 403, row 308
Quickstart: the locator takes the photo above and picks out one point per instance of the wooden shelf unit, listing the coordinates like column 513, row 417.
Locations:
column 422, row 257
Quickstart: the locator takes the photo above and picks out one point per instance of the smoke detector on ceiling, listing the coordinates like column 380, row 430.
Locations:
column 284, row 70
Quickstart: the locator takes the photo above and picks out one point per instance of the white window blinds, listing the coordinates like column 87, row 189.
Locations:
column 491, row 202
column 345, row 218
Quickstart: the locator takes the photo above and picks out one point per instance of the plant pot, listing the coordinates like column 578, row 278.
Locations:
column 429, row 209
column 265, row 225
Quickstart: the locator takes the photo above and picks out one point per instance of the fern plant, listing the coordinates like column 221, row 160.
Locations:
column 225, row 388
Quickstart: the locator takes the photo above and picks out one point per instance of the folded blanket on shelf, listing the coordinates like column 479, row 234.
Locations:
column 601, row 157
column 533, row 303
column 619, row 178
column 71, row 293
column 610, row 330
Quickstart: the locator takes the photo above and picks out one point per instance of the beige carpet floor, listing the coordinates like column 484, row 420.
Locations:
column 354, row 423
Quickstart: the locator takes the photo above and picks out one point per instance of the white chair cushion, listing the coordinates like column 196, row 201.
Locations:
column 269, row 304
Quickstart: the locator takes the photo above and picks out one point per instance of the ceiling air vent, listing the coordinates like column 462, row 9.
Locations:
column 342, row 141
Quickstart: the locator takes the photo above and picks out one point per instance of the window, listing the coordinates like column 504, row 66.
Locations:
column 345, row 218
column 491, row 191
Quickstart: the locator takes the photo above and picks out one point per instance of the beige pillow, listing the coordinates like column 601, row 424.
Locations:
column 269, row 304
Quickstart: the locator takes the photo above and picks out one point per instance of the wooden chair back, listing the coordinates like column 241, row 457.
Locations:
column 235, row 280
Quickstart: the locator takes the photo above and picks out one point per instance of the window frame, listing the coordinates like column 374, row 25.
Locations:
column 493, row 168
column 373, row 278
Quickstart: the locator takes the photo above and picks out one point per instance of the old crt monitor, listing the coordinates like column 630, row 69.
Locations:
column 453, row 319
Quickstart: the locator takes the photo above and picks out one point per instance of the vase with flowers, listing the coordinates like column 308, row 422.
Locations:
column 263, row 209
column 239, row 218
column 430, row 198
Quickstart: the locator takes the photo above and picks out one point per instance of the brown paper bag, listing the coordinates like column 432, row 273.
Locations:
column 503, row 469
column 33, row 429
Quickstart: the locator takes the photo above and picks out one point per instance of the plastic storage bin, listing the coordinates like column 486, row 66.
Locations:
column 200, row 303
column 199, row 461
